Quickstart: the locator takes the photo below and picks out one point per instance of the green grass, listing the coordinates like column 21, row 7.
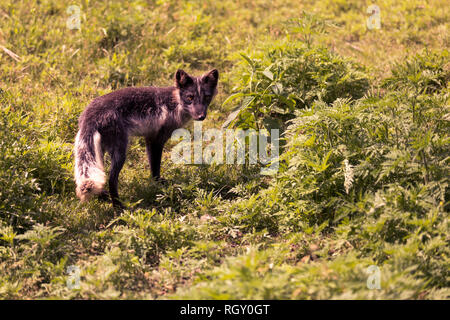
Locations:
column 376, row 100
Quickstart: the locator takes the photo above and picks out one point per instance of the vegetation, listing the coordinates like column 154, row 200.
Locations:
column 364, row 160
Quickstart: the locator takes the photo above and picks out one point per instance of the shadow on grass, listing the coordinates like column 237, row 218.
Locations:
column 183, row 184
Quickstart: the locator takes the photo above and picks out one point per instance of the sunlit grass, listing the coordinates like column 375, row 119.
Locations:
column 225, row 231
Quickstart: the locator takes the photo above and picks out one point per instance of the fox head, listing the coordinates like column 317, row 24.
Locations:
column 196, row 93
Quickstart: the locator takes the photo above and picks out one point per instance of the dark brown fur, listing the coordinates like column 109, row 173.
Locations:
column 154, row 113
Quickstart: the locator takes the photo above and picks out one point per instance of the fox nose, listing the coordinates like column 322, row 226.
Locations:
column 201, row 116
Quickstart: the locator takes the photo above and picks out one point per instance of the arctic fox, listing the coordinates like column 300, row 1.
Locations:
column 154, row 113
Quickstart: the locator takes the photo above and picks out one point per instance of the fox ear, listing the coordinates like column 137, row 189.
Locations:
column 182, row 79
column 211, row 77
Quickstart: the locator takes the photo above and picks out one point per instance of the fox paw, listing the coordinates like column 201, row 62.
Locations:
column 118, row 205
column 104, row 196
column 161, row 180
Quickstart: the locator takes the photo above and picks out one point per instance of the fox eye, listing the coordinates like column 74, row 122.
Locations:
column 189, row 98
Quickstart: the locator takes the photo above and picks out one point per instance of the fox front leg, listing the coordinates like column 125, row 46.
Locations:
column 154, row 154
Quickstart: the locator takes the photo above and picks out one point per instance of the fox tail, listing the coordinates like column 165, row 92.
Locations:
column 90, row 176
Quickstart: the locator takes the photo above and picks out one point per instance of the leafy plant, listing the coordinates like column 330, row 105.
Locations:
column 289, row 77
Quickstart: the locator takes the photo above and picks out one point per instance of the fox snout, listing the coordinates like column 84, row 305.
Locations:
column 200, row 116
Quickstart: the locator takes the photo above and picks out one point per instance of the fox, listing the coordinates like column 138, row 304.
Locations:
column 108, row 122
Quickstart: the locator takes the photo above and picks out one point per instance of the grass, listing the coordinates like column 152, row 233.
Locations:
column 364, row 164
